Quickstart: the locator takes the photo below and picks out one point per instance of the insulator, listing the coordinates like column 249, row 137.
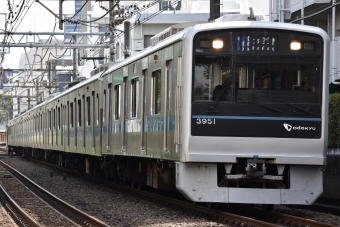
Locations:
column 117, row 21
column 117, row 12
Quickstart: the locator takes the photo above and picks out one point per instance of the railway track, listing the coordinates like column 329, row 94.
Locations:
column 19, row 216
column 37, row 203
column 238, row 216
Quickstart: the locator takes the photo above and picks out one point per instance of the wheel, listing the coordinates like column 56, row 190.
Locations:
column 140, row 185
column 211, row 205
column 267, row 207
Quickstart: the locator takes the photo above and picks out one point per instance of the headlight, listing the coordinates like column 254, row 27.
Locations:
column 308, row 46
column 295, row 45
column 217, row 44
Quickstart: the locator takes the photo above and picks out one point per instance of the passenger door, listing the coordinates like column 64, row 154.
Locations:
column 167, row 106
column 125, row 117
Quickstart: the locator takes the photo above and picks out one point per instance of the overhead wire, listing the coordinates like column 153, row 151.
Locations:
column 23, row 2
column 79, row 9
column 12, row 29
column 91, row 21
column 320, row 10
column 136, row 25
column 119, row 36
column 11, row 32
column 129, row 15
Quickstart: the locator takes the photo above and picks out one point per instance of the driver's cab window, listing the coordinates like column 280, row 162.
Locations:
column 277, row 82
column 249, row 76
column 212, row 79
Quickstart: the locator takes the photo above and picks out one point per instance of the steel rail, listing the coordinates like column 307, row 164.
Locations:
column 282, row 219
column 217, row 215
column 297, row 221
column 185, row 206
column 63, row 207
column 16, row 211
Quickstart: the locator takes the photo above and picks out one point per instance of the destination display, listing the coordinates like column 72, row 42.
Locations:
column 248, row 43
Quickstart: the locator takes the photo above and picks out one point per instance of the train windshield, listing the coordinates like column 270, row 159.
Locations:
column 268, row 82
column 293, row 81
column 213, row 79
column 256, row 79
column 257, row 66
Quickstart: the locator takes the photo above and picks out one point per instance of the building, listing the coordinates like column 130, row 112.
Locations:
column 38, row 77
column 47, row 70
column 152, row 19
column 320, row 13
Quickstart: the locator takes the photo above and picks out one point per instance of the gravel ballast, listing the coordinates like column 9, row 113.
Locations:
column 117, row 209
column 112, row 207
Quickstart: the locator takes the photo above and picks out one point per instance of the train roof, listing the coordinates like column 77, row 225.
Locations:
column 261, row 24
column 190, row 32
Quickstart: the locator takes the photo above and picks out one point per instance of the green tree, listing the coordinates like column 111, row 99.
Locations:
column 334, row 120
column 6, row 103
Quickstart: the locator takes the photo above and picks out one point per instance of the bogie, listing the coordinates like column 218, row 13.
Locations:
column 184, row 115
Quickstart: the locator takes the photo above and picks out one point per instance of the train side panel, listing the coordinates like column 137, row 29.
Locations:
column 133, row 119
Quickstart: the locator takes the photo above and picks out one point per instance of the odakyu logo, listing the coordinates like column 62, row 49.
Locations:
column 289, row 128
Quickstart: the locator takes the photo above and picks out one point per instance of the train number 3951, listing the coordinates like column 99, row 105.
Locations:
column 204, row 121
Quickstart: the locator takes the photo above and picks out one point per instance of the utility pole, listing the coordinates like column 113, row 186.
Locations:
column 74, row 77
column 36, row 91
column 61, row 14
column 18, row 100
column 127, row 49
column 84, row 30
column 49, row 77
column 302, row 11
column 215, row 10
column 112, row 47
column 29, row 98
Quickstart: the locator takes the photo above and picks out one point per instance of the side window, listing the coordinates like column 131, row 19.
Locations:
column 116, row 113
column 93, row 108
column 74, row 120
column 58, row 117
column 54, row 118
column 134, row 97
column 79, row 113
column 110, row 104
column 88, row 106
column 109, row 116
column 156, row 92
column 98, row 110
column 71, row 115
column 40, row 122
column 50, row 120
column 104, row 106
column 68, row 112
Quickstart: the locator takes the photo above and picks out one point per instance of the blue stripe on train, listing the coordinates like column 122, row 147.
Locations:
column 257, row 118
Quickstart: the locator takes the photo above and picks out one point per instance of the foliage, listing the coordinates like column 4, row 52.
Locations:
column 6, row 102
column 334, row 120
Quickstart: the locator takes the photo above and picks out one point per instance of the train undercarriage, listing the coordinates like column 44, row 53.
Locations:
column 138, row 172
column 198, row 182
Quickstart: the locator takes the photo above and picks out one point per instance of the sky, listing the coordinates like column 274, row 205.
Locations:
column 39, row 19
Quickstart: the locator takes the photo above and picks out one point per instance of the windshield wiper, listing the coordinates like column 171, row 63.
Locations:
column 292, row 105
column 268, row 107
column 222, row 90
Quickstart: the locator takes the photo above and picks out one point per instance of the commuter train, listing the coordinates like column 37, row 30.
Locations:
column 224, row 112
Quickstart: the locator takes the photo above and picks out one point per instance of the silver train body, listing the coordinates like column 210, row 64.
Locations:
column 187, row 114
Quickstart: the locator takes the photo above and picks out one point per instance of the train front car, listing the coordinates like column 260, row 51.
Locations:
column 255, row 126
